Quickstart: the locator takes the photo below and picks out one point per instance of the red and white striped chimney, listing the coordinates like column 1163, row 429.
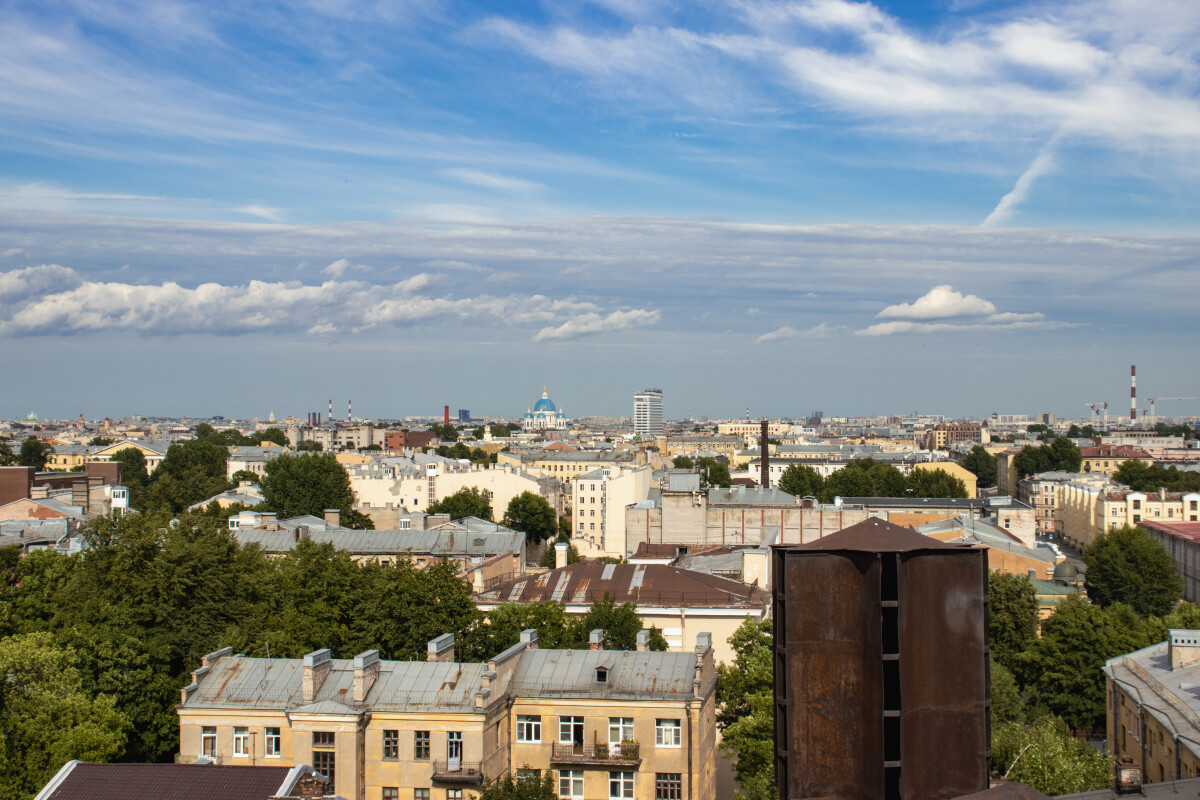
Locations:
column 1133, row 393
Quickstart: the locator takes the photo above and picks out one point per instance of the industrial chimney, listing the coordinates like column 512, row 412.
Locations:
column 1133, row 394
column 764, row 479
column 446, row 417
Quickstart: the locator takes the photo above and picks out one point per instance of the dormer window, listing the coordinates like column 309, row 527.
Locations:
column 601, row 674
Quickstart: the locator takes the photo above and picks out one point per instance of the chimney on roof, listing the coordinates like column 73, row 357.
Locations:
column 1032, row 573
column 441, row 650
column 596, row 639
column 529, row 637
column 1183, row 647
column 561, row 549
column 643, row 641
column 703, row 643
column 79, row 494
column 333, row 517
column 316, row 668
column 764, row 478
column 366, row 669
column 300, row 532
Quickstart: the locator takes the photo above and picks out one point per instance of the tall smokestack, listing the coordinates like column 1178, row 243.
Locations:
column 1133, row 393
column 764, row 478
column 331, row 409
column 446, row 418
column 349, row 411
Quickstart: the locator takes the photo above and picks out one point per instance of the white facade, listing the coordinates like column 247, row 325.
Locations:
column 648, row 413
column 416, row 490
column 598, row 501
column 544, row 416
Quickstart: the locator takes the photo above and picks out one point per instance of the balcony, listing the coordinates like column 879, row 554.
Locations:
column 597, row 754
column 458, row 771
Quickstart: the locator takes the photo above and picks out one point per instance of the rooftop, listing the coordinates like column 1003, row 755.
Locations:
column 81, row 781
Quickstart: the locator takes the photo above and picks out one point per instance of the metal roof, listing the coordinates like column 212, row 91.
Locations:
column 643, row 584
column 80, row 781
column 741, row 496
column 390, row 542
column 630, row 674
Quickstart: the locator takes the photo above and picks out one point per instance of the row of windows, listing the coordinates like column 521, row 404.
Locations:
column 241, row 742
column 667, row 732
column 667, row 785
column 393, row 793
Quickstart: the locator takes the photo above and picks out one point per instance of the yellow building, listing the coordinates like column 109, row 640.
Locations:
column 1153, row 714
column 1088, row 509
column 155, row 450
column 643, row 722
column 955, row 471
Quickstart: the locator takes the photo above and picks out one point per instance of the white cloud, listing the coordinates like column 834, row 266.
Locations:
column 892, row 328
column 596, row 323
column 20, row 284
column 1008, row 204
column 940, row 301
column 490, row 180
column 821, row 331
column 262, row 212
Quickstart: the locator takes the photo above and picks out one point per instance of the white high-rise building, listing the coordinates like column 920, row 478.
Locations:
column 648, row 413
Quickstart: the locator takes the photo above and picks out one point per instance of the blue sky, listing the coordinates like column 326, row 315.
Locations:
column 958, row 207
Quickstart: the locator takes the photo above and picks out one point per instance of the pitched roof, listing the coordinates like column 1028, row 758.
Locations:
column 874, row 536
column 636, row 674
column 643, row 584
column 81, row 781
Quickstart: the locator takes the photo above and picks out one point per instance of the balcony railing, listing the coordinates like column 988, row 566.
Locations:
column 458, row 771
column 596, row 753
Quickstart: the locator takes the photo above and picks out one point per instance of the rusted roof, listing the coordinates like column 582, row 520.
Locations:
column 1006, row 791
column 643, row 584
column 1187, row 530
column 668, row 550
column 874, row 536
column 164, row 782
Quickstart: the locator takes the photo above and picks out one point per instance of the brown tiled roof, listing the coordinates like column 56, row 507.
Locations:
column 168, row 782
column 874, row 536
column 644, row 584
column 668, row 550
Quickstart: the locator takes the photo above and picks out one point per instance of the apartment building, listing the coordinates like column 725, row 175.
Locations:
column 1107, row 458
column 1182, row 541
column 648, row 413
column 417, row 483
column 598, row 501
column 1153, row 713
column 1044, row 492
column 629, row 725
column 1089, row 509
column 939, row 437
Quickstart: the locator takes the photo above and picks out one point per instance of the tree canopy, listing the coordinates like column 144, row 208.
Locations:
column 470, row 501
column 1059, row 454
column 532, row 514
column 7, row 457
column 1012, row 616
column 445, row 433
column 1142, row 477
column 983, row 465
column 801, row 480
column 34, row 453
column 309, row 483
column 713, row 472
column 1048, row 757
column 192, row 470
column 528, row 784
column 866, row 477
column 745, row 709
column 1126, row 566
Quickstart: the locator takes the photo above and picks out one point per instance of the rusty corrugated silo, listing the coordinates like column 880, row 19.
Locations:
column 881, row 674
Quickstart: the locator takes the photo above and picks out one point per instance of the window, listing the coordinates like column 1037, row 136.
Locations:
column 1192, row 505
column 570, row 784
column 601, row 675
column 454, row 745
column 529, row 729
column 620, row 729
column 391, row 793
column 570, row 730
column 421, row 746
column 208, row 742
column 323, row 762
column 1137, row 505
column 1137, row 517
column 241, row 741
column 581, row 526
column 454, row 794
column 667, row 733
column 420, row 794
column 391, row 745
column 323, row 739
column 620, row 785
column 272, row 742
column 668, row 786
column 593, row 526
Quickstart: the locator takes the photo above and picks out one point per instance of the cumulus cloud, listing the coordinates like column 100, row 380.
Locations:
column 944, row 310
column 53, row 300
column 941, row 301
column 586, row 324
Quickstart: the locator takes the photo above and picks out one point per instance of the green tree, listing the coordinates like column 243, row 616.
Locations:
column 620, row 624
column 470, row 501
column 133, row 467
column 1065, row 455
column 550, row 557
column 713, row 472
column 682, row 462
column 1063, row 670
column 205, row 431
column 309, row 447
column 1047, row 757
column 1006, row 695
column 7, row 458
column 1059, row 454
column 34, row 453
column 983, row 465
column 46, row 716
column 445, row 433
column 1127, row 566
column 745, row 709
column 243, row 475
column 1142, row 477
column 477, row 433
column 191, row 471
column 532, row 514
column 801, row 480
column 501, row 431
column 1012, row 616
column 273, row 435
column 504, row 624
column 934, row 483
column 100, row 441
column 529, row 784
column 309, row 483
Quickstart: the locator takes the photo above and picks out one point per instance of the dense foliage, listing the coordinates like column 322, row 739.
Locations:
column 1059, row 454
column 533, row 515
column 745, row 710
column 982, row 464
column 34, row 453
column 192, row 470
column 1126, row 566
column 528, row 784
column 1141, row 477
column 865, row 477
column 309, row 483
column 1048, row 757
column 467, row 502
column 1012, row 616
column 556, row 629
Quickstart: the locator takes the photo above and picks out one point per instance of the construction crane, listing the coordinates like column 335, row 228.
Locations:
column 1095, row 407
column 1153, row 400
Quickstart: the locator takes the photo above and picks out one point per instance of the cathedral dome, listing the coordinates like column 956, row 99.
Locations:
column 545, row 404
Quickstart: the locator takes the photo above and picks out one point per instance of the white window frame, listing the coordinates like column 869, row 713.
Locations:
column 241, row 742
column 669, row 734
column 208, row 741
column 566, row 729
column 272, row 742
column 529, row 728
column 618, row 727
column 620, row 786
column 570, row 784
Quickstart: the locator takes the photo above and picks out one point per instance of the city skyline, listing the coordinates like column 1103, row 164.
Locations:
column 945, row 207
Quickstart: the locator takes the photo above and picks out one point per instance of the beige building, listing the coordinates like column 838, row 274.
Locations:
column 1089, row 509
column 598, row 501
column 1044, row 493
column 642, row 722
column 1153, row 714
column 751, row 432
column 416, row 486
column 155, row 450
